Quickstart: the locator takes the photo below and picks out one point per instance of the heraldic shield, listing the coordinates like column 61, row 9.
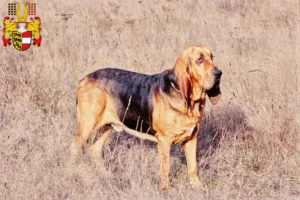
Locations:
column 22, row 40
column 22, row 33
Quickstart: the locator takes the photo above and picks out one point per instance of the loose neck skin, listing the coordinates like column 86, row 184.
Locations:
column 171, row 92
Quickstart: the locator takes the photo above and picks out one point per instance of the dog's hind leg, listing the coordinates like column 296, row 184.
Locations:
column 96, row 149
column 91, row 104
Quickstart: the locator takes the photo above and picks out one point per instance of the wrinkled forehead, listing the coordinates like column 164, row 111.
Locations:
column 201, row 51
column 196, row 51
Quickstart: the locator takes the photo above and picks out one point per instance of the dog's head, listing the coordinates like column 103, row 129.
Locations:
column 196, row 72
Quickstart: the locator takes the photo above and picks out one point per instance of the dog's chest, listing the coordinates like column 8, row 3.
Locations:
column 175, row 125
column 179, row 138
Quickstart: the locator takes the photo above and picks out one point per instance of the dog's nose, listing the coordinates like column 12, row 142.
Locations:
column 218, row 73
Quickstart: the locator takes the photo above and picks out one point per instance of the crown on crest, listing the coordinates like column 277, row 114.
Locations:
column 24, row 17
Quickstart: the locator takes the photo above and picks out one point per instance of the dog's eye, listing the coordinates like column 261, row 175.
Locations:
column 200, row 60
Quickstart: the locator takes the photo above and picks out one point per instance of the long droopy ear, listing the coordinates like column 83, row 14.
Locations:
column 184, row 80
column 214, row 93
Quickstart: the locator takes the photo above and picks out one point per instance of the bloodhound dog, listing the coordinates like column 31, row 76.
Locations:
column 166, row 107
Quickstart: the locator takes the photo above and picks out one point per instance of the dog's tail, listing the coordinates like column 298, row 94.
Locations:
column 119, row 127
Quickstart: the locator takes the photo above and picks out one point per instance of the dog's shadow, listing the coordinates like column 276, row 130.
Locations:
column 220, row 124
column 217, row 124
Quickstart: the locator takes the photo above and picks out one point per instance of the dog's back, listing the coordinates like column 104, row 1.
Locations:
column 132, row 94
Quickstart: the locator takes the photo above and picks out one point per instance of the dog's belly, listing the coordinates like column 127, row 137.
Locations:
column 139, row 123
column 136, row 114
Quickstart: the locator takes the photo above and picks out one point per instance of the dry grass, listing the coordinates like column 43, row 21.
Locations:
column 249, row 145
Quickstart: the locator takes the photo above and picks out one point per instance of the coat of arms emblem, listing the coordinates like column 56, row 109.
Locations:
column 22, row 33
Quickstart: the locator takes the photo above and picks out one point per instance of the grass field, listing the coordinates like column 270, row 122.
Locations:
column 249, row 144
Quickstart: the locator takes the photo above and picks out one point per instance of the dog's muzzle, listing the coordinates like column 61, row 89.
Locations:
column 218, row 73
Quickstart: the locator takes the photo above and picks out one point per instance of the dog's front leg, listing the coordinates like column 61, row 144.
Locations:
column 190, row 148
column 164, row 146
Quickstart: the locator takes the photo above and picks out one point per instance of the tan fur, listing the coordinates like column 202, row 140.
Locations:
column 175, row 120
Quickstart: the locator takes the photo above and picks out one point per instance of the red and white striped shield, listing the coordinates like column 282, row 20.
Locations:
column 22, row 41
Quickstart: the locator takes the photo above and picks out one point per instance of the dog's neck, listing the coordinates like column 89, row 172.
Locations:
column 169, row 85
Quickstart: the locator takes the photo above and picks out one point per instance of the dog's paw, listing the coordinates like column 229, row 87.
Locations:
column 197, row 184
